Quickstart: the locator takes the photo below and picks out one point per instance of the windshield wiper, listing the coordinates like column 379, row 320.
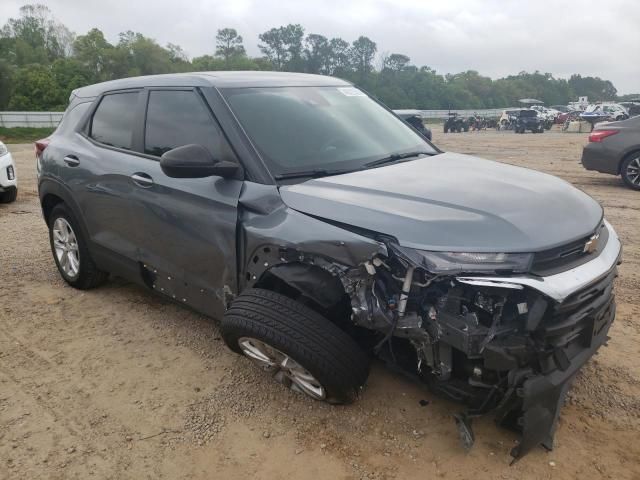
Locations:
column 315, row 173
column 394, row 157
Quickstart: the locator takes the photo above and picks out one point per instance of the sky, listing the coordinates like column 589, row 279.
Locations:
column 494, row 37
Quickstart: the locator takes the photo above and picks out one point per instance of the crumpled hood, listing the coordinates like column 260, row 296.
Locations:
column 453, row 202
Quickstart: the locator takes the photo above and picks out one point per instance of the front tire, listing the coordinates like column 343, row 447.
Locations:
column 630, row 171
column 70, row 251
column 302, row 349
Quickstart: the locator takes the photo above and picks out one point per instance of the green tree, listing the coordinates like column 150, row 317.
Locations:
column 229, row 44
column 37, row 34
column 143, row 55
column 363, row 50
column 339, row 57
column 593, row 87
column 283, row 47
column 6, row 83
column 317, row 53
column 396, row 62
column 93, row 50
column 34, row 89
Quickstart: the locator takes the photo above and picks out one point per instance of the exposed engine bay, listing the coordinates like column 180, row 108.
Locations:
column 507, row 349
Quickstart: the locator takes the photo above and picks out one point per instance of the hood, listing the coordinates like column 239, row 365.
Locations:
column 453, row 202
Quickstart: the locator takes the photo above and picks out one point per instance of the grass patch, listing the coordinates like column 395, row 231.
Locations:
column 23, row 134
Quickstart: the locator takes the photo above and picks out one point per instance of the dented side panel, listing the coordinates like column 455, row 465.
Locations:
column 189, row 248
column 270, row 233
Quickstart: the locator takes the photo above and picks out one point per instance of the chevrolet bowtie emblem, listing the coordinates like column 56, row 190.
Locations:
column 591, row 245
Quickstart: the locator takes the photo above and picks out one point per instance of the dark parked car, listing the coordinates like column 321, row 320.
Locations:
column 414, row 118
column 321, row 229
column 527, row 119
column 456, row 123
column 614, row 148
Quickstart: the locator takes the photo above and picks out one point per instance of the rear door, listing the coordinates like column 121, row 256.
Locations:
column 188, row 248
column 96, row 165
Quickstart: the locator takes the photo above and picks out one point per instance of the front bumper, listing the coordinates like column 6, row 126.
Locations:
column 7, row 164
column 570, row 331
column 541, row 396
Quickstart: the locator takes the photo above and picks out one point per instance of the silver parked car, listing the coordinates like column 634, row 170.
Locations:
column 321, row 229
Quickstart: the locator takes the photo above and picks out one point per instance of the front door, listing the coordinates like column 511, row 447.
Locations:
column 188, row 249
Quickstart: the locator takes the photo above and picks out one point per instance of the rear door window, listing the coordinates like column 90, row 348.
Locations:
column 179, row 117
column 113, row 120
column 72, row 117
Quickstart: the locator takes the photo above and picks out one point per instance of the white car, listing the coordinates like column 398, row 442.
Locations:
column 546, row 112
column 8, row 177
column 608, row 111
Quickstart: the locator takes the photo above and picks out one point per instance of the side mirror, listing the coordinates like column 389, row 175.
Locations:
column 195, row 161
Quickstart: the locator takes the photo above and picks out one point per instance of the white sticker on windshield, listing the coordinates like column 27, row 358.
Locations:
column 351, row 92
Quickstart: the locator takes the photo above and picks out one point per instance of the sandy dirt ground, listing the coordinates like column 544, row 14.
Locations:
column 117, row 383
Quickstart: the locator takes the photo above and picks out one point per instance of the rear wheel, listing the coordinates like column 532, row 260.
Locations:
column 297, row 346
column 70, row 251
column 630, row 171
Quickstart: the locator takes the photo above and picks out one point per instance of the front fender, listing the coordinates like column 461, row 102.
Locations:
column 270, row 233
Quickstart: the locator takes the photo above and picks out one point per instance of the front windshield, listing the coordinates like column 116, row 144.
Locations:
column 299, row 129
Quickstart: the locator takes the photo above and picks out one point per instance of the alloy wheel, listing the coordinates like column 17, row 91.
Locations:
column 284, row 369
column 65, row 245
column 633, row 171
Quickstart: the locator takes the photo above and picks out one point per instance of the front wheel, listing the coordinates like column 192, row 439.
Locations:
column 71, row 252
column 630, row 171
column 297, row 346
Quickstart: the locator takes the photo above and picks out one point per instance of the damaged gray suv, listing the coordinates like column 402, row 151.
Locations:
column 322, row 230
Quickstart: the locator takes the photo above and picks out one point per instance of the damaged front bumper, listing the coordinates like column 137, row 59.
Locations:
column 576, row 327
column 509, row 344
column 540, row 396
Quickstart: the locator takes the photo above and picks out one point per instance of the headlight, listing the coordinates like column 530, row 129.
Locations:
column 3, row 149
column 447, row 262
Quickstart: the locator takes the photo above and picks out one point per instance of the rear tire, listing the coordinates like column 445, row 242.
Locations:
column 86, row 274
column 630, row 171
column 333, row 358
column 9, row 195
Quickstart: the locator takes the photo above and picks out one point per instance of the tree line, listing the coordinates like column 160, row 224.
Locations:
column 41, row 61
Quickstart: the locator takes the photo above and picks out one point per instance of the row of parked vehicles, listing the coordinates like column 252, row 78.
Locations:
column 537, row 118
column 456, row 123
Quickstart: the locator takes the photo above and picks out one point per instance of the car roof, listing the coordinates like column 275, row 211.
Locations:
column 237, row 79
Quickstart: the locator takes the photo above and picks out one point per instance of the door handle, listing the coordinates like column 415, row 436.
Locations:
column 142, row 180
column 71, row 160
